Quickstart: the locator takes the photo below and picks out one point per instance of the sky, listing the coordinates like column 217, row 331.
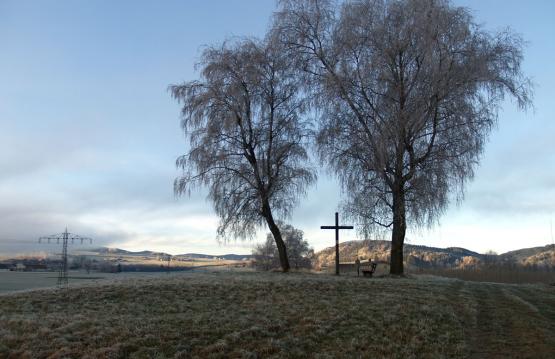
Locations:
column 89, row 133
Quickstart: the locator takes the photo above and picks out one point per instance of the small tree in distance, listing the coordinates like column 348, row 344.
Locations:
column 247, row 138
column 300, row 254
column 266, row 255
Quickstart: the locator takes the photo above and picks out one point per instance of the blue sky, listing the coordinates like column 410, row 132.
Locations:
column 89, row 134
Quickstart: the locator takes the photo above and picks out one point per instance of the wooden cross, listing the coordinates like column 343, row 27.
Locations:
column 337, row 227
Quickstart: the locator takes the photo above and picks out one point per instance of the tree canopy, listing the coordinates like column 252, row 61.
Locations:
column 405, row 93
column 247, row 135
column 408, row 92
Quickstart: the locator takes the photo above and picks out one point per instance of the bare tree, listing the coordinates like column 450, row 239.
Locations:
column 266, row 255
column 247, row 133
column 408, row 92
column 299, row 252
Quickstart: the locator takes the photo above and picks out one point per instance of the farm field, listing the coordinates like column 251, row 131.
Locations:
column 21, row 281
column 18, row 281
column 151, row 259
column 258, row 315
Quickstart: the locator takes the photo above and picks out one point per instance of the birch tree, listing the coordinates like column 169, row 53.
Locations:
column 247, row 136
column 408, row 93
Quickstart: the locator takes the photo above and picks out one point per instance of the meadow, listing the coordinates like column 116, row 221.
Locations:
column 272, row 315
column 24, row 281
column 494, row 274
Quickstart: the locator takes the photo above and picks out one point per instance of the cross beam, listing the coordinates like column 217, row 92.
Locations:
column 337, row 227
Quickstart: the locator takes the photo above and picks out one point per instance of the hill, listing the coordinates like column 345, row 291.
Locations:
column 123, row 252
column 255, row 315
column 105, row 259
column 417, row 256
column 117, row 251
column 536, row 256
column 230, row 257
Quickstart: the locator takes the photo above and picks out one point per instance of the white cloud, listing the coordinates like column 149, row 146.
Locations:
column 89, row 140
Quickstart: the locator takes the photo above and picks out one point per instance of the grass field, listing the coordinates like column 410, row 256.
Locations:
column 255, row 315
column 496, row 275
column 18, row 281
column 22, row 281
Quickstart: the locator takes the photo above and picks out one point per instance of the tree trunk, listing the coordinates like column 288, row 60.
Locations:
column 398, row 233
column 284, row 261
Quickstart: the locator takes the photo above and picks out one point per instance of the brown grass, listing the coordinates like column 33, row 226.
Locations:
column 253, row 315
column 495, row 275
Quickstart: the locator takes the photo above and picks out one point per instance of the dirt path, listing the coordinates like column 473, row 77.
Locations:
column 512, row 321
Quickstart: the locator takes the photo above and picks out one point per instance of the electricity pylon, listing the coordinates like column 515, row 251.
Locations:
column 64, row 237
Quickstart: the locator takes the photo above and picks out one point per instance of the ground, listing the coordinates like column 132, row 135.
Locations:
column 22, row 281
column 255, row 315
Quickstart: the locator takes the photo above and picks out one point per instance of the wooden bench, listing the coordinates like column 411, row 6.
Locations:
column 368, row 268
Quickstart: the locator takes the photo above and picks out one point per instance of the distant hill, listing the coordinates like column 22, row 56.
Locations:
column 230, row 257
column 123, row 252
column 107, row 252
column 536, row 256
column 417, row 256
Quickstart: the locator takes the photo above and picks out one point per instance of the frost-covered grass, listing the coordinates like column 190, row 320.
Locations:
column 495, row 275
column 255, row 315
column 20, row 281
